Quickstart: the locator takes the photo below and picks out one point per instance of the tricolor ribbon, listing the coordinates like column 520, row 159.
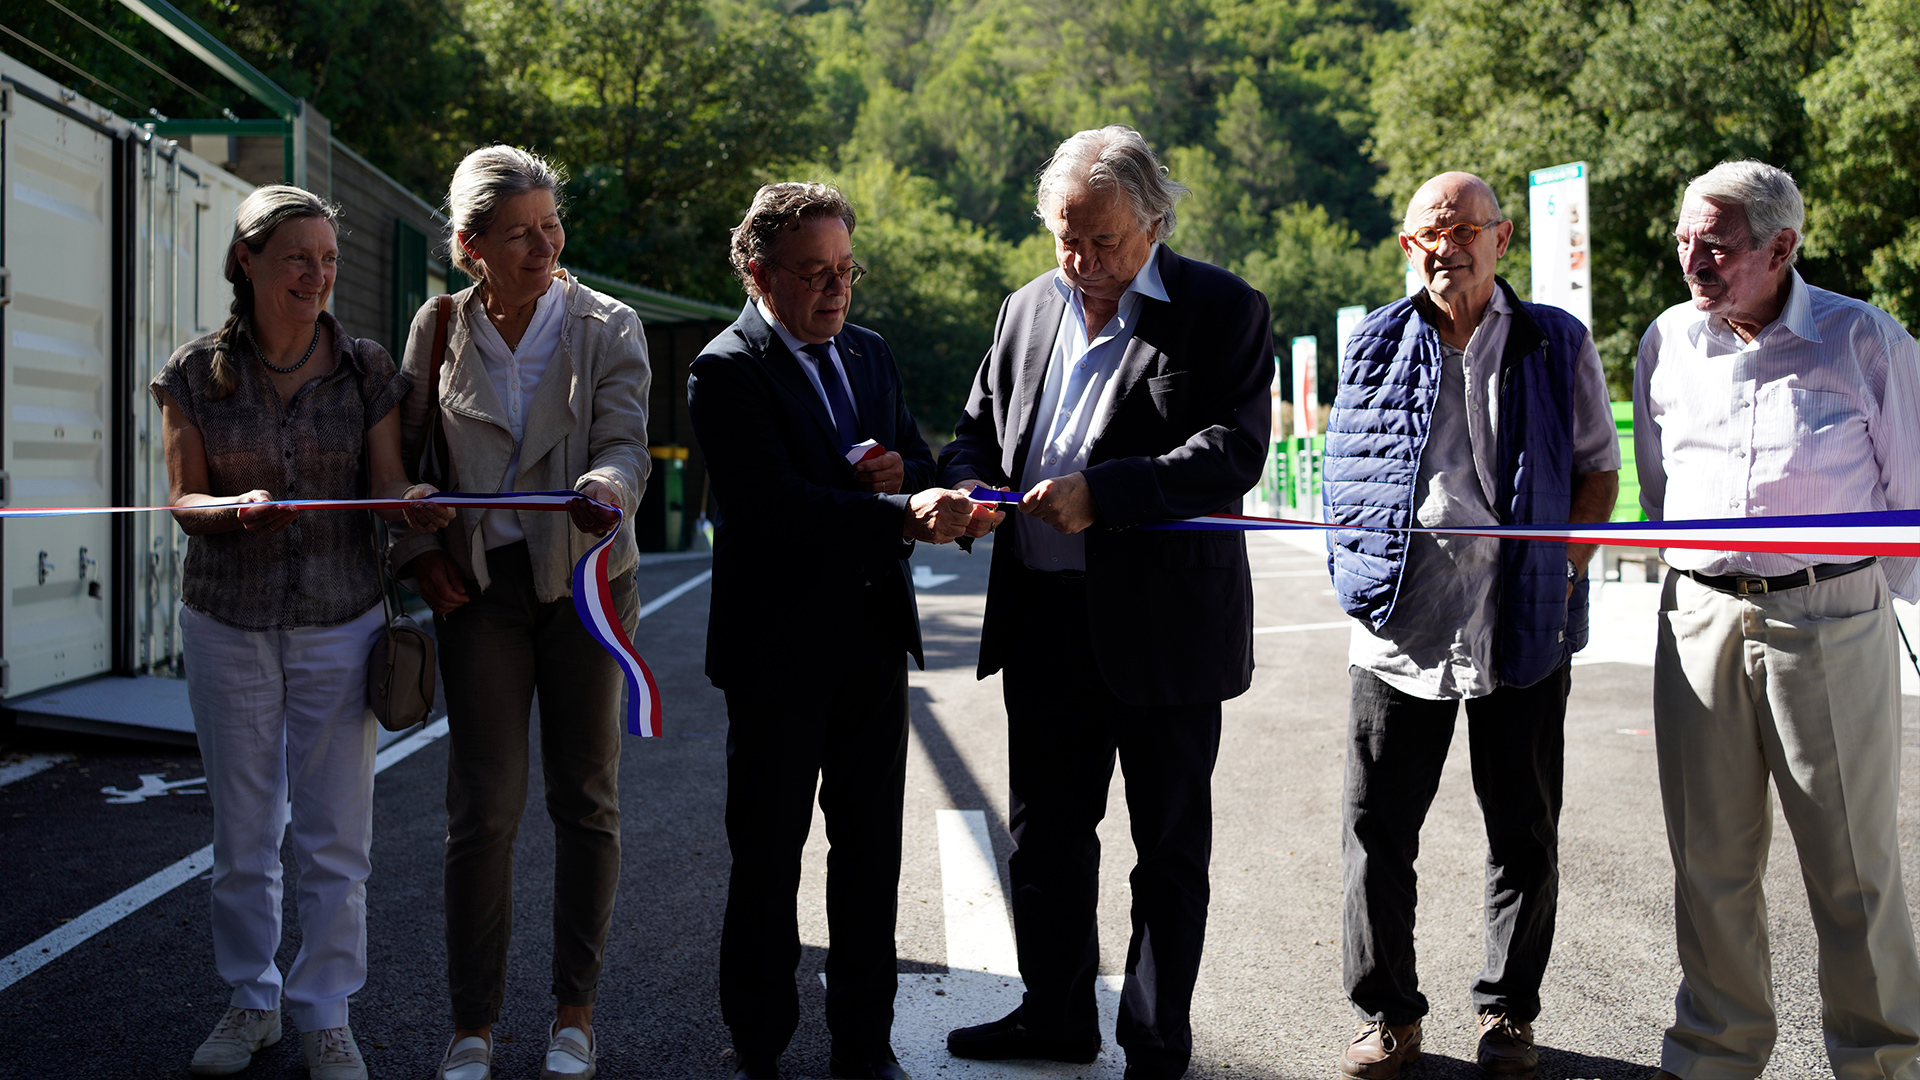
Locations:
column 1875, row 532
column 592, row 593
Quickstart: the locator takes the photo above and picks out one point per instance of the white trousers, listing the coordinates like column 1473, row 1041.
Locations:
column 282, row 719
column 1803, row 687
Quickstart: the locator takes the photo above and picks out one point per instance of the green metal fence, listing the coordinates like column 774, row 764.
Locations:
column 1294, row 480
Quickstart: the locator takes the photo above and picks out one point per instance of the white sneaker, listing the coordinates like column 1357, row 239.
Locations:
column 333, row 1055
column 235, row 1039
column 470, row 1058
column 569, row 1056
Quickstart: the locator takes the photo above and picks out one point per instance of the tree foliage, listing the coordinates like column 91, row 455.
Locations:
column 1301, row 126
column 1649, row 93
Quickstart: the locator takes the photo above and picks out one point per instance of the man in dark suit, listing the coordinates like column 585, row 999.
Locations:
column 812, row 621
column 1129, row 387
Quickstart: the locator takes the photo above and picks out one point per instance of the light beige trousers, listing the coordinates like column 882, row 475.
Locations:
column 1801, row 687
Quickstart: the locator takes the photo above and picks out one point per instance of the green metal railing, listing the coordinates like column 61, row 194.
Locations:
column 1294, row 479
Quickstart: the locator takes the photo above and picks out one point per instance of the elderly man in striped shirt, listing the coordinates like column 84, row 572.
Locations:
column 1766, row 396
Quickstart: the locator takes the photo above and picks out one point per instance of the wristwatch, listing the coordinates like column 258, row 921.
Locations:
column 1573, row 571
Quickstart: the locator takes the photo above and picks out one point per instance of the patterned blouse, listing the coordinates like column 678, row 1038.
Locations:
column 321, row 571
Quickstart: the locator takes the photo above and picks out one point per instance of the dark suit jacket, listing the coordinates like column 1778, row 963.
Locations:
column 796, row 542
column 1171, row 612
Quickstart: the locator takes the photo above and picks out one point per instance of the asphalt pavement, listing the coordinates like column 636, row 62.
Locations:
column 135, row 998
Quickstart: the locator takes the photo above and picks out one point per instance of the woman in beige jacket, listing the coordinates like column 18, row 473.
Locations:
column 542, row 387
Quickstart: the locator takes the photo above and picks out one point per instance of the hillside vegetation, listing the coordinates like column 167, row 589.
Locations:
column 1302, row 126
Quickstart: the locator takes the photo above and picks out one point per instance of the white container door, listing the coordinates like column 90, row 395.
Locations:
column 55, row 441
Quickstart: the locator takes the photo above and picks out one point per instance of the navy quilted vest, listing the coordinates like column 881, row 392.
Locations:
column 1377, row 433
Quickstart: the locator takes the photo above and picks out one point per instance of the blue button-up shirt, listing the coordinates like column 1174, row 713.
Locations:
column 1074, row 403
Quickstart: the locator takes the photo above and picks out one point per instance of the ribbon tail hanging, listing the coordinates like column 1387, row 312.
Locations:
column 593, row 600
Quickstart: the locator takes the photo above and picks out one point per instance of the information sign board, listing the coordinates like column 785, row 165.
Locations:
column 1562, row 230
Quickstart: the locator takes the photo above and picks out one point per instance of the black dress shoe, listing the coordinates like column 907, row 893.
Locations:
column 1008, row 1038
column 878, row 1065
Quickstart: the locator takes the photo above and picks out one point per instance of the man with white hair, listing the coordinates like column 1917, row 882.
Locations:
column 1130, row 386
column 1766, row 396
column 1459, row 406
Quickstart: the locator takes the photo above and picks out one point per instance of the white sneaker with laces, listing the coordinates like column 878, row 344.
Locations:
column 333, row 1055
column 569, row 1056
column 470, row 1058
column 235, row 1039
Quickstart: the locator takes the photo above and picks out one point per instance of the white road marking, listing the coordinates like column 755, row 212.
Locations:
column 979, row 937
column 50, row 947
column 152, row 786
column 1292, row 628
column 982, row 981
column 31, row 958
column 674, row 593
column 925, row 578
column 28, row 766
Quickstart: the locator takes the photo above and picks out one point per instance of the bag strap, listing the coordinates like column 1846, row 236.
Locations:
column 443, row 310
column 430, row 437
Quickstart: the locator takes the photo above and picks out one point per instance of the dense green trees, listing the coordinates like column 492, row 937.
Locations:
column 1649, row 93
column 1300, row 125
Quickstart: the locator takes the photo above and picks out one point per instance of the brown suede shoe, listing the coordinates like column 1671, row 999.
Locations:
column 1506, row 1047
column 1381, row 1051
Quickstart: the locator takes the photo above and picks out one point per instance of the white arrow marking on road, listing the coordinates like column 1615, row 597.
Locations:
column 50, row 947
column 151, row 787
column 925, row 578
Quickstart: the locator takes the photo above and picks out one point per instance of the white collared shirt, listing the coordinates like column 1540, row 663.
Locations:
column 516, row 373
column 1818, row 414
column 1075, row 401
column 811, row 366
column 1438, row 644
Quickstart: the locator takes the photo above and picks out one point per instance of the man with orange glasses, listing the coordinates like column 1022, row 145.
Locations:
column 1459, row 406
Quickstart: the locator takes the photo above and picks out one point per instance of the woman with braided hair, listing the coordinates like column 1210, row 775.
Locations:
column 280, row 613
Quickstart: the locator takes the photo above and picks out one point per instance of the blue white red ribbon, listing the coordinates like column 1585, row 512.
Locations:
column 592, row 593
column 1876, row 532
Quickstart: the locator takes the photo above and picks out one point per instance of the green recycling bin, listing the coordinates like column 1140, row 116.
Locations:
column 661, row 524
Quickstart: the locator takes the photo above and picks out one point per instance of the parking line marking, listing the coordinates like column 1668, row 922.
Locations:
column 51, row 946
column 29, row 766
column 979, row 937
column 674, row 593
column 1297, row 627
column 32, row 957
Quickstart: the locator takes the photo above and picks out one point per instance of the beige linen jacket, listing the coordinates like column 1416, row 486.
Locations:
column 587, row 421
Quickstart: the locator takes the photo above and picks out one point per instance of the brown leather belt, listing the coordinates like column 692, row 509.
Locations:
column 1740, row 585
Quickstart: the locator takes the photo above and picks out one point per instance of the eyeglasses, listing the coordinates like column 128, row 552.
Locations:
column 819, row 280
column 1462, row 233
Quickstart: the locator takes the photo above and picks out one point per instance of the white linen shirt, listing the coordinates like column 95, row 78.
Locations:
column 811, row 366
column 1075, row 401
column 1438, row 644
column 1818, row 414
column 516, row 374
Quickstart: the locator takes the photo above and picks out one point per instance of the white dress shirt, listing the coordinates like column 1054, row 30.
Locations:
column 1438, row 644
column 811, row 366
column 1075, row 401
column 1818, row 414
column 516, row 374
